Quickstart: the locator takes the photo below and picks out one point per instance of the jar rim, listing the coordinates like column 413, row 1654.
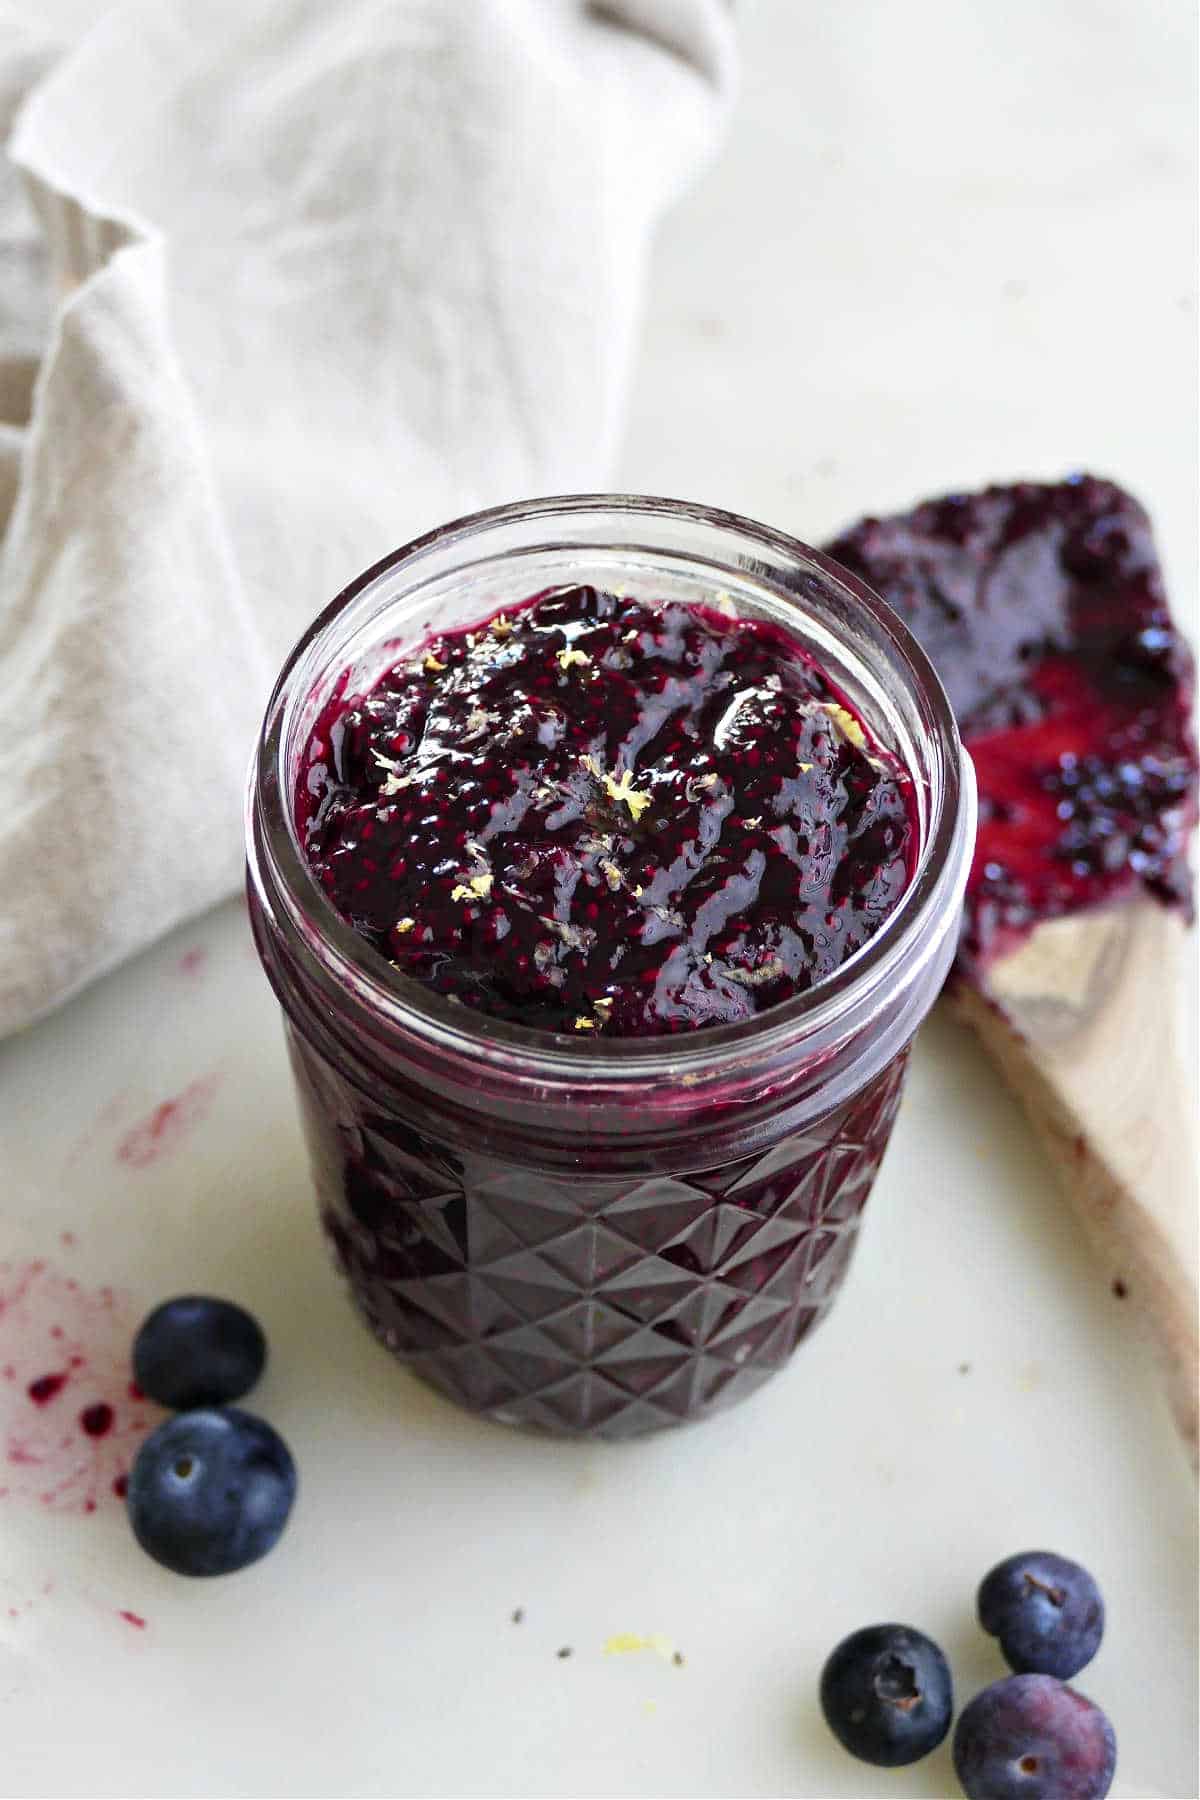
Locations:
column 284, row 883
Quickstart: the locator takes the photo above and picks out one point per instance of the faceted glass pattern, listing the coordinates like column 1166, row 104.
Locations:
column 586, row 1304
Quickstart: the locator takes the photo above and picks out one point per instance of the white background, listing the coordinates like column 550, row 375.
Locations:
column 944, row 244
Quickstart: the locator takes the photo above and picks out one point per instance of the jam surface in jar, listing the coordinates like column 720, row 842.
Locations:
column 601, row 815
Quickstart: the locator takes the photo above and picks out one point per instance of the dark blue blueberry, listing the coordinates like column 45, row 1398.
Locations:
column 1046, row 1612
column 1031, row 1738
column 886, row 1695
column 196, row 1351
column 211, row 1491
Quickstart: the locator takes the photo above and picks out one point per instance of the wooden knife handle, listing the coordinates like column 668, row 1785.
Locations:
column 1082, row 1020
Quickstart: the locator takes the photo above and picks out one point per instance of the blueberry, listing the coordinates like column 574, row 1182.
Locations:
column 1046, row 1612
column 211, row 1491
column 196, row 1351
column 886, row 1695
column 1031, row 1738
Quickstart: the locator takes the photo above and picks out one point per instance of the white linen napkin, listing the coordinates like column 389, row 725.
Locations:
column 320, row 277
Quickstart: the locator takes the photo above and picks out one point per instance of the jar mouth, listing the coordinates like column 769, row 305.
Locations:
column 344, row 963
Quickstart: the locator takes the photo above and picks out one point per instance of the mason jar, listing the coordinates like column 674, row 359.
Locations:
column 600, row 1237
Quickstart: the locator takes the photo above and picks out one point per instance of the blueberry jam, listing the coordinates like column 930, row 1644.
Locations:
column 1043, row 609
column 604, row 1181
column 588, row 1303
column 598, row 815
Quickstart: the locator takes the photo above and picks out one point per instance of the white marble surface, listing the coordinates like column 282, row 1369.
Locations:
column 944, row 244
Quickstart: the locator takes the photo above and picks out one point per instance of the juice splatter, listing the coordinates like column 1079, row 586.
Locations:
column 69, row 1426
column 162, row 1131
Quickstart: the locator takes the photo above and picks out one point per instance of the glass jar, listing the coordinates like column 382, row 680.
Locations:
column 600, row 1237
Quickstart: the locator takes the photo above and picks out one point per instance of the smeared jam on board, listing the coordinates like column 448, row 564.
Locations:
column 1043, row 609
column 162, row 1131
column 600, row 815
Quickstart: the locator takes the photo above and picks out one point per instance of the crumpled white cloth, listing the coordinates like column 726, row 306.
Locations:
column 299, row 281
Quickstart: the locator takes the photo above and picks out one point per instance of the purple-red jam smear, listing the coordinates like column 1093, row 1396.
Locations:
column 606, row 817
column 1043, row 608
column 162, row 1131
column 97, row 1420
column 69, row 1423
column 46, row 1388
